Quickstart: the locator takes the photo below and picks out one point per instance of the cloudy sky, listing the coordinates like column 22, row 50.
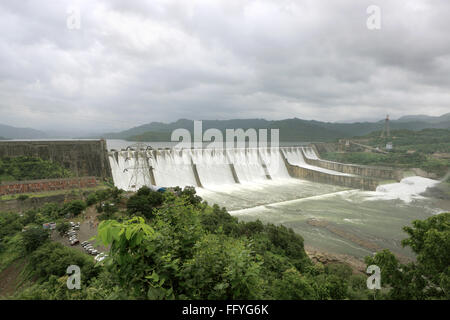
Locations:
column 133, row 62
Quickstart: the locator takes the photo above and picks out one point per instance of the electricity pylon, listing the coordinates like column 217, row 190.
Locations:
column 140, row 168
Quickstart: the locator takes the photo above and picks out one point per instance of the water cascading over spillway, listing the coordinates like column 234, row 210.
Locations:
column 125, row 167
column 294, row 156
column 206, row 168
column 247, row 165
column 272, row 159
column 172, row 168
column 212, row 166
column 310, row 153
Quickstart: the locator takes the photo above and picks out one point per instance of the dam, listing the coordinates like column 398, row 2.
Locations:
column 340, row 208
column 205, row 168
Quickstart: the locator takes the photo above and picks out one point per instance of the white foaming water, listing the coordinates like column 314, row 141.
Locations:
column 310, row 153
column 123, row 166
column 271, row 157
column 295, row 157
column 407, row 190
column 172, row 168
column 247, row 165
column 213, row 167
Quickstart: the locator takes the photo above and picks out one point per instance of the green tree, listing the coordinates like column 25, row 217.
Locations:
column 74, row 207
column 144, row 201
column 62, row 227
column 429, row 277
column 223, row 268
column 33, row 238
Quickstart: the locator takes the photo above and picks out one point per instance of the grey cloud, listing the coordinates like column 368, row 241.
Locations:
column 139, row 61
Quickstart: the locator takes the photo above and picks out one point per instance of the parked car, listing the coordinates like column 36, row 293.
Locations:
column 100, row 257
column 74, row 242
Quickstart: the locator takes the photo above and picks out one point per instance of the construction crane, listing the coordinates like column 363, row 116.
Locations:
column 386, row 133
column 386, row 128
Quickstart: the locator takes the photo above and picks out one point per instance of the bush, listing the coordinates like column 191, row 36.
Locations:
column 74, row 207
column 53, row 259
column 91, row 199
column 22, row 197
column 144, row 201
column 33, row 238
column 62, row 227
column 9, row 224
column 31, row 168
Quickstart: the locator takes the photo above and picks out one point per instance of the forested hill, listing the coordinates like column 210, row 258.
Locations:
column 9, row 132
column 290, row 129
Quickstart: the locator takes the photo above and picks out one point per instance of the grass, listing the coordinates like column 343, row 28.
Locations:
column 50, row 193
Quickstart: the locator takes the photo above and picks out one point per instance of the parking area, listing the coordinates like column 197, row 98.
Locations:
column 83, row 231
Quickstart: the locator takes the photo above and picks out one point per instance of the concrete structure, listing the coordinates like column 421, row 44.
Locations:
column 364, row 171
column 357, row 182
column 83, row 157
column 17, row 187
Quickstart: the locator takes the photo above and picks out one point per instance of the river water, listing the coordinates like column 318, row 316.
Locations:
column 351, row 222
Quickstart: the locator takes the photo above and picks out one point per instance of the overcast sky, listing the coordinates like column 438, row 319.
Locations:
column 133, row 62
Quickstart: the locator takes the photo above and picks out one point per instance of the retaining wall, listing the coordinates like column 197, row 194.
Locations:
column 17, row 187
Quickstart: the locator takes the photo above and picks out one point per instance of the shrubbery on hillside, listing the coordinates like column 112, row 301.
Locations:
column 186, row 249
column 30, row 168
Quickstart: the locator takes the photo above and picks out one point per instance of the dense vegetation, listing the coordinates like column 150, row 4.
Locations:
column 411, row 150
column 30, row 168
column 185, row 249
column 429, row 277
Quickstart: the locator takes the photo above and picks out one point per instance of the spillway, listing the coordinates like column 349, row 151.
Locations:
column 207, row 168
column 294, row 155
column 212, row 166
column 172, row 168
column 310, row 153
column 272, row 158
column 247, row 165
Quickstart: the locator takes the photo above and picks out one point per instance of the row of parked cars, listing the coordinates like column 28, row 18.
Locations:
column 72, row 233
column 99, row 256
column 73, row 238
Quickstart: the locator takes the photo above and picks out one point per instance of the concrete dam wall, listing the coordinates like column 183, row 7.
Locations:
column 83, row 157
column 365, row 171
column 205, row 168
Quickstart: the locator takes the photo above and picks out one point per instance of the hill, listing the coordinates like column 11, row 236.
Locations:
column 427, row 149
column 425, row 118
column 291, row 130
column 10, row 132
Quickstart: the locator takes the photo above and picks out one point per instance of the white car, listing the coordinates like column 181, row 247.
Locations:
column 100, row 257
